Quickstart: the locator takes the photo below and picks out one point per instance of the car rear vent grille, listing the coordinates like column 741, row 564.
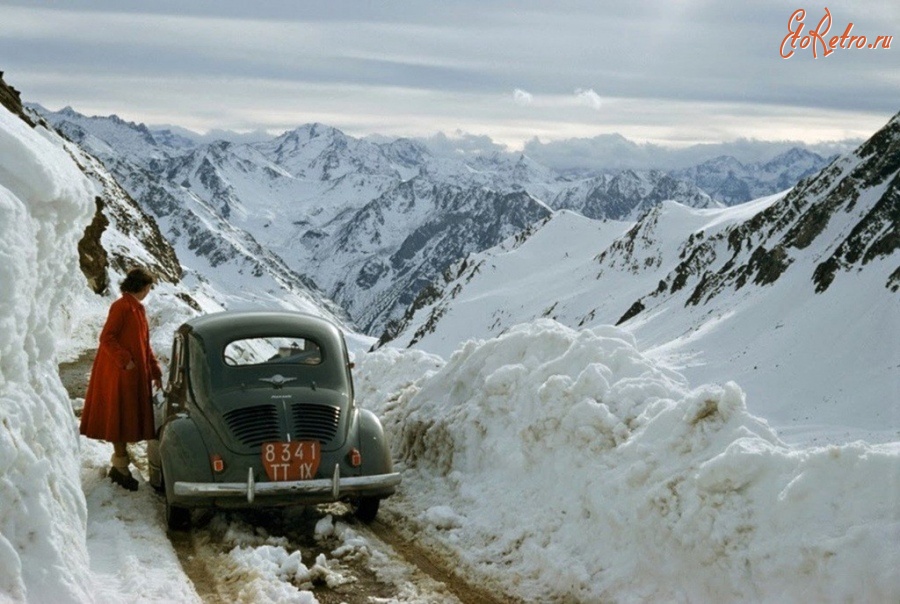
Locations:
column 315, row 422
column 254, row 425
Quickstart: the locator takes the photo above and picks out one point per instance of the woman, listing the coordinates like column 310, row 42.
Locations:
column 118, row 405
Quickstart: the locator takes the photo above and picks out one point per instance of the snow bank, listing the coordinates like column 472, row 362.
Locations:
column 45, row 204
column 564, row 465
column 131, row 557
column 392, row 371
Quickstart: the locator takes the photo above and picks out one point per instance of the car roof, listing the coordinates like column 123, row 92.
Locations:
column 233, row 325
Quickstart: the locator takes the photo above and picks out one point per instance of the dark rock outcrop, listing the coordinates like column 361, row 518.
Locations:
column 12, row 100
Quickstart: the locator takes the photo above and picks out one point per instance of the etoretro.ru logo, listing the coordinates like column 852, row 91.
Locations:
column 817, row 39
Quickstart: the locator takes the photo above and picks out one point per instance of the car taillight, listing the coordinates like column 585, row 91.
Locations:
column 355, row 457
column 218, row 464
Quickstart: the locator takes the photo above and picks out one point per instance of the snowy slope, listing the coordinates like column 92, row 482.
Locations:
column 794, row 296
column 570, row 268
column 384, row 253
column 547, row 271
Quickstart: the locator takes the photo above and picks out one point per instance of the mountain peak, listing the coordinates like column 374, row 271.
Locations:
column 317, row 130
column 68, row 111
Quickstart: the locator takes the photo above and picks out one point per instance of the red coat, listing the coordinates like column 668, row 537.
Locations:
column 118, row 405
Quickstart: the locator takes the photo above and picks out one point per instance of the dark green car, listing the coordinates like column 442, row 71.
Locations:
column 259, row 411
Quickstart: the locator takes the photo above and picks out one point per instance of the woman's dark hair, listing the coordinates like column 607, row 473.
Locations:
column 136, row 280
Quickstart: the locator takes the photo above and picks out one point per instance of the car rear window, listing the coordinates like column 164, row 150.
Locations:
column 278, row 350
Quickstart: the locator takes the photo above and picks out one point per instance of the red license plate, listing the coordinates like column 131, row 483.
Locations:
column 293, row 460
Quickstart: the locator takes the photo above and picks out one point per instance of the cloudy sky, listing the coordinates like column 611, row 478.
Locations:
column 661, row 71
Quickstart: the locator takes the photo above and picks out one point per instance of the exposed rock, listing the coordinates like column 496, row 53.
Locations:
column 92, row 256
column 12, row 100
column 633, row 311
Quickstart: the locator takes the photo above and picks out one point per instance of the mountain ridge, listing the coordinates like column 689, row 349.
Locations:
column 310, row 186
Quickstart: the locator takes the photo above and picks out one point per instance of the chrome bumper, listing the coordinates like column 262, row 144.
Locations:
column 336, row 486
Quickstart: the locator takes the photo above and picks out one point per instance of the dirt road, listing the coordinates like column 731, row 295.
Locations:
column 373, row 563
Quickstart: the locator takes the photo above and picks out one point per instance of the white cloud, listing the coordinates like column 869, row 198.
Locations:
column 589, row 97
column 614, row 151
column 523, row 98
column 461, row 143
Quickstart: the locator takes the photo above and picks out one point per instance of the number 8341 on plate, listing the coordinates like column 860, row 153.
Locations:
column 291, row 460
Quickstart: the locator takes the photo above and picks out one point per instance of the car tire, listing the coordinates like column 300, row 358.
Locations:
column 367, row 508
column 177, row 517
column 154, row 467
column 156, row 479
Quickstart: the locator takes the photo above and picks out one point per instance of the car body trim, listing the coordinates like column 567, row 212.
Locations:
column 336, row 486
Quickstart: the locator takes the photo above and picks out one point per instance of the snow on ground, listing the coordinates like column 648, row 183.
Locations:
column 130, row 555
column 565, row 465
column 132, row 558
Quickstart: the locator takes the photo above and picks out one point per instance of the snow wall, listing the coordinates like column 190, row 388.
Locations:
column 45, row 205
column 566, row 466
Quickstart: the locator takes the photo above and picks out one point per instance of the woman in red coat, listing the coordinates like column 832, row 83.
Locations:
column 118, row 405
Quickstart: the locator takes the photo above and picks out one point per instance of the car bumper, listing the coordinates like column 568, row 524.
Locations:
column 333, row 488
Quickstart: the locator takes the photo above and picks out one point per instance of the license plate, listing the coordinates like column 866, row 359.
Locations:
column 294, row 460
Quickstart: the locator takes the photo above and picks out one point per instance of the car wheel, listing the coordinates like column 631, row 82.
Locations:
column 156, row 479
column 154, row 467
column 157, row 482
column 367, row 508
column 177, row 517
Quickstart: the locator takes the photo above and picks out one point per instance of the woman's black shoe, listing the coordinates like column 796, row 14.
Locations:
column 123, row 479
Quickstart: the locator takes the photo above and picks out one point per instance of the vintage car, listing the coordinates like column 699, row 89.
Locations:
column 258, row 411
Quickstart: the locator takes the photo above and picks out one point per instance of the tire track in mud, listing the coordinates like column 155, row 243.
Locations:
column 204, row 555
column 194, row 565
column 415, row 575
column 437, row 569
column 203, row 551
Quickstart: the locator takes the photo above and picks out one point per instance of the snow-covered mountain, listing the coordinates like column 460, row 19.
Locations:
column 228, row 257
column 316, row 210
column 628, row 195
column 727, row 180
column 793, row 295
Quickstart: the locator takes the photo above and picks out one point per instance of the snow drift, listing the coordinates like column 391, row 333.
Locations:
column 45, row 204
column 564, row 465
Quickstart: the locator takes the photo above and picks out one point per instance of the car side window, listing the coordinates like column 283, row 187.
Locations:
column 280, row 350
column 176, row 365
column 199, row 376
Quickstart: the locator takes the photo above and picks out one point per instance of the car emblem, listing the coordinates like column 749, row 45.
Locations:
column 277, row 380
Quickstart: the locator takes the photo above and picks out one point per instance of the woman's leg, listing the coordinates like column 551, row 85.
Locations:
column 119, row 472
column 120, row 449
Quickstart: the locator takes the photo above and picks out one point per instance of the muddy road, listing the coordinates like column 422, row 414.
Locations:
column 362, row 563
